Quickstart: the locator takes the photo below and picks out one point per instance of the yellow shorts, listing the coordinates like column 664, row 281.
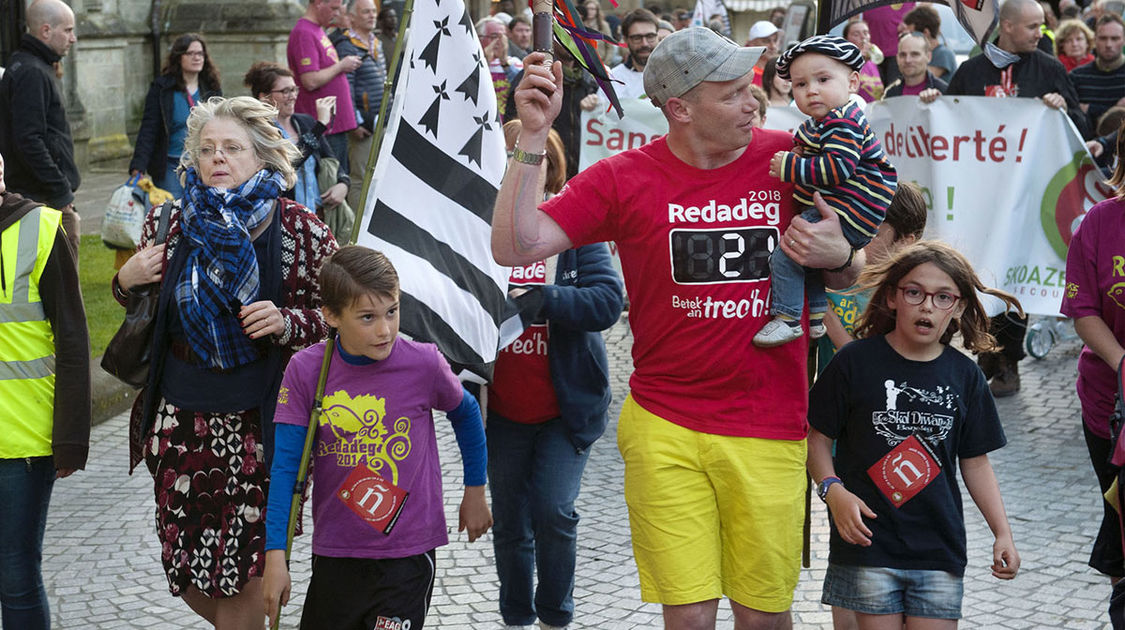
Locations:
column 712, row 515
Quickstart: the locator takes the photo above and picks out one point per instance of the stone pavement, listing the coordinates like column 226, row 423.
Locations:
column 102, row 561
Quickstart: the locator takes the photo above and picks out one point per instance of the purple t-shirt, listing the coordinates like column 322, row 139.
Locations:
column 1095, row 286
column 377, row 416
column 913, row 90
column 309, row 50
column 883, row 22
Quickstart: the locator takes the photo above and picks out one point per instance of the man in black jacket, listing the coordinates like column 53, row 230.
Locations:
column 34, row 133
column 1015, row 66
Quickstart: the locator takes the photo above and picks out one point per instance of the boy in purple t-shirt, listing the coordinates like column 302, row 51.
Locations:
column 377, row 500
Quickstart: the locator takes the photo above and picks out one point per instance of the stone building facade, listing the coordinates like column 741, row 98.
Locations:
column 122, row 43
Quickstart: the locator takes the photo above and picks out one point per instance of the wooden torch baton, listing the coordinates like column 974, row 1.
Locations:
column 543, row 36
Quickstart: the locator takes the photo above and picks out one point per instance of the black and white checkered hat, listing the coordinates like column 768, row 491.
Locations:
column 837, row 48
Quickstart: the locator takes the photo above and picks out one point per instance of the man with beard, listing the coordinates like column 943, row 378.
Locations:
column 1101, row 83
column 913, row 63
column 639, row 29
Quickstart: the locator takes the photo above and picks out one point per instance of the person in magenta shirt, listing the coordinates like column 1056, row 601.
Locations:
column 320, row 72
column 1095, row 298
column 884, row 24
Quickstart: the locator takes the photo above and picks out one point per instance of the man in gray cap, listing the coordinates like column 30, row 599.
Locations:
column 712, row 433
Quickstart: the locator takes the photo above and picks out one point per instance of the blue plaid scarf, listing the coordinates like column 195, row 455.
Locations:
column 221, row 270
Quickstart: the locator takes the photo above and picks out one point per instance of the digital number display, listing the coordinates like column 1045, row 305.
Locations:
column 722, row 255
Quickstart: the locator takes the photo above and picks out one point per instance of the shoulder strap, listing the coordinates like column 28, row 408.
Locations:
column 165, row 215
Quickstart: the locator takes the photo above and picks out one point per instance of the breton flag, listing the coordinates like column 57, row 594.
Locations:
column 979, row 17
column 429, row 208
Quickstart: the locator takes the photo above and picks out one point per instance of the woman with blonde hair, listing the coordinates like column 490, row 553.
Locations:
column 238, row 295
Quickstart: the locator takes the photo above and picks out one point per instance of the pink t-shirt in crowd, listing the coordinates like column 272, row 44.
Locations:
column 309, row 50
column 695, row 248
column 377, row 418
column 883, row 22
column 1095, row 287
column 913, row 90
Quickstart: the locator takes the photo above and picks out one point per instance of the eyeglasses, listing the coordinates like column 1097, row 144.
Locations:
column 195, row 54
column 915, row 296
column 646, row 37
column 230, row 151
column 289, row 91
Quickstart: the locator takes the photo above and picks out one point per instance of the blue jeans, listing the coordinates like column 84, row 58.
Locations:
column 25, row 491
column 885, row 591
column 790, row 282
column 534, row 475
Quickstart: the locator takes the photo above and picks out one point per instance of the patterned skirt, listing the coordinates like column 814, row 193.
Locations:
column 211, row 485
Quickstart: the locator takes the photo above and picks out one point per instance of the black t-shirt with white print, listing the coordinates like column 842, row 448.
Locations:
column 870, row 399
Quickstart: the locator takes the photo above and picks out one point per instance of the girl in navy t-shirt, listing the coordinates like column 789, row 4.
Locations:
column 904, row 408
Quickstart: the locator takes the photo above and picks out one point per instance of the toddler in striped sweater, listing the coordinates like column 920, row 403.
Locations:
column 836, row 155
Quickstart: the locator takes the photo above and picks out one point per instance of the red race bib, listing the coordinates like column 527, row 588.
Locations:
column 904, row 471
column 374, row 499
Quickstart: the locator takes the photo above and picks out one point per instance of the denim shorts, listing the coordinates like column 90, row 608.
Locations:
column 884, row 591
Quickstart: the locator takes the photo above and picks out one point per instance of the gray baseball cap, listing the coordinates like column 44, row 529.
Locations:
column 689, row 57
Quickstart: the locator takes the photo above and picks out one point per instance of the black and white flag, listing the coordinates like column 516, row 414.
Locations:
column 429, row 208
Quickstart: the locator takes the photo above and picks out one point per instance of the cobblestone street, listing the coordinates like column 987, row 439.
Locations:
column 103, row 567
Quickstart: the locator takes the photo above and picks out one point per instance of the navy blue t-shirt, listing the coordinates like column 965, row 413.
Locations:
column 870, row 398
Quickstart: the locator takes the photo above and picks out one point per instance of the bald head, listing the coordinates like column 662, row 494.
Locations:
column 1014, row 9
column 1021, row 22
column 52, row 22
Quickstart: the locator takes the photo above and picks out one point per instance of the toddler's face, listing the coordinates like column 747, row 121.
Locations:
column 821, row 84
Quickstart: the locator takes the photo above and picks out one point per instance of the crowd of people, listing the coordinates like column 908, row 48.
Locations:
column 720, row 432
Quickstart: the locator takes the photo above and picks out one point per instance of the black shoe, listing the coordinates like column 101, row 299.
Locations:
column 1007, row 381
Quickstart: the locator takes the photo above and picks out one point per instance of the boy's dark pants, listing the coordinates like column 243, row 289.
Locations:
column 361, row 594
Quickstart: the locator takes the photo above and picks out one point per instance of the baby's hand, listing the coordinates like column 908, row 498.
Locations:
column 1005, row 558
column 775, row 163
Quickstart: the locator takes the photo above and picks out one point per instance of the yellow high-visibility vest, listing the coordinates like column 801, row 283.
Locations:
column 27, row 344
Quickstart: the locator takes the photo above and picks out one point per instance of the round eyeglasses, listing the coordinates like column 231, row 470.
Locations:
column 941, row 299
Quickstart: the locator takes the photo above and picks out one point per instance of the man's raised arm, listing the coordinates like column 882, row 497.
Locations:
column 521, row 233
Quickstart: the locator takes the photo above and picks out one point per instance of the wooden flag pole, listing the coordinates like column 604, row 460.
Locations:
column 543, row 29
column 381, row 120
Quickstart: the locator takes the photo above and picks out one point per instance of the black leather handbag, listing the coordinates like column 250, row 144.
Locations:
column 129, row 353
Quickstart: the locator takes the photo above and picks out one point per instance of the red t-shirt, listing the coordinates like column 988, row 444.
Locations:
column 309, row 50
column 521, row 389
column 694, row 247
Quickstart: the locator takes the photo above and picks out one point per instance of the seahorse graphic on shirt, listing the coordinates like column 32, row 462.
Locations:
column 361, row 435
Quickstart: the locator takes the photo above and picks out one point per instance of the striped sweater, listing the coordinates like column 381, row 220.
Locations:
column 843, row 160
column 1099, row 89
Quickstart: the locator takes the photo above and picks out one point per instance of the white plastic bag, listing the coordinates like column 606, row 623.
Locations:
column 125, row 215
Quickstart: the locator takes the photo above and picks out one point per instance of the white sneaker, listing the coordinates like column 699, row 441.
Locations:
column 775, row 333
column 816, row 331
column 546, row 626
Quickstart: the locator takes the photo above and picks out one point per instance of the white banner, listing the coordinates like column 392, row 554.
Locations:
column 1006, row 180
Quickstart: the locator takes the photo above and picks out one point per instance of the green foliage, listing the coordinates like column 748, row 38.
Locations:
column 95, row 271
